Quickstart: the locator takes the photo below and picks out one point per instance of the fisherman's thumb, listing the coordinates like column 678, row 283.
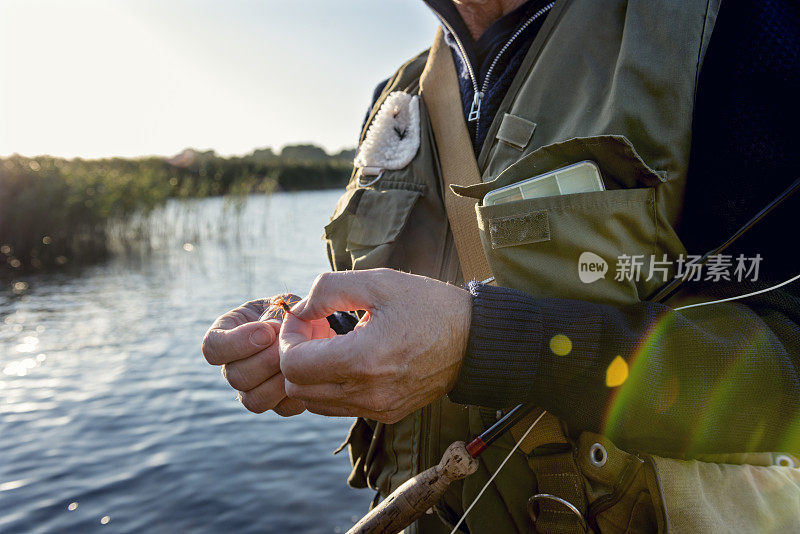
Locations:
column 338, row 291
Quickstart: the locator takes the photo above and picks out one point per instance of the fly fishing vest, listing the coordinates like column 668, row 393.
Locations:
column 609, row 81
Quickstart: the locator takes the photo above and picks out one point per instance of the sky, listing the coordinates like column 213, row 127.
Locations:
column 99, row 78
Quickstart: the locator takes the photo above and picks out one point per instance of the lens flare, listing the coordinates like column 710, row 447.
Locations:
column 561, row 345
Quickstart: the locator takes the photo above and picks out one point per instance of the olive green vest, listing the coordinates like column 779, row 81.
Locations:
column 611, row 81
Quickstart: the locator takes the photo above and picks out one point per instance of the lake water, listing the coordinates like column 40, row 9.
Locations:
column 110, row 418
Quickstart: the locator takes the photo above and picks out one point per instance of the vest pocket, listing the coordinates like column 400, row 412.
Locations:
column 364, row 234
column 570, row 246
column 366, row 225
column 604, row 246
column 358, row 443
column 596, row 246
column 379, row 219
column 698, row 496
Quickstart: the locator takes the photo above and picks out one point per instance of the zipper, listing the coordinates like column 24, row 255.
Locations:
column 476, row 103
column 473, row 78
column 479, row 91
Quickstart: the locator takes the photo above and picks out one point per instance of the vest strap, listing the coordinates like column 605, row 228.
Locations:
column 440, row 91
column 547, row 432
column 557, row 475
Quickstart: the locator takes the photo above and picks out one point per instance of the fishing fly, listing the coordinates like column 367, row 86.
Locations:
column 279, row 306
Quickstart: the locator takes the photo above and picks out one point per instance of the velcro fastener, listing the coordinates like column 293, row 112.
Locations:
column 532, row 227
column 515, row 131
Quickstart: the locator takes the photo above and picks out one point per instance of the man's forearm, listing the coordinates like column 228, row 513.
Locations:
column 652, row 378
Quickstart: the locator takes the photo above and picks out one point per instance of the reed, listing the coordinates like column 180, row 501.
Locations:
column 56, row 212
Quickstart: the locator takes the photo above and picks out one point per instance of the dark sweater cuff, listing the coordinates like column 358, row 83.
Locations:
column 522, row 349
column 504, row 339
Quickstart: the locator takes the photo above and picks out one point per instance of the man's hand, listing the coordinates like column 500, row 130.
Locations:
column 245, row 348
column 404, row 353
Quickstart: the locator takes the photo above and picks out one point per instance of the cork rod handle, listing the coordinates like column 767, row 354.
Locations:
column 417, row 495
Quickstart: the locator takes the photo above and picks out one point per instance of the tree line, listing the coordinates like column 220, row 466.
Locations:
column 55, row 211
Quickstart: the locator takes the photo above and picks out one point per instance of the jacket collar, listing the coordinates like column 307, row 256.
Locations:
column 494, row 37
column 446, row 11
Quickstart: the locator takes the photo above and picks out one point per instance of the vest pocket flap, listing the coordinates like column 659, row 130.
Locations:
column 380, row 216
column 345, row 210
column 620, row 164
column 515, row 131
column 358, row 440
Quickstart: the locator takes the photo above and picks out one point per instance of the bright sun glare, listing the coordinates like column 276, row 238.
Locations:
column 96, row 78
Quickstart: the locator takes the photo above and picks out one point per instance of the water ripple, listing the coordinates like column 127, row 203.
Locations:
column 109, row 417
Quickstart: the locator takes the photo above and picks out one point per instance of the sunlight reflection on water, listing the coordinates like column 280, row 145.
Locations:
column 111, row 419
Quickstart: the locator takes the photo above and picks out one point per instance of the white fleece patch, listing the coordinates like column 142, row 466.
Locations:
column 392, row 140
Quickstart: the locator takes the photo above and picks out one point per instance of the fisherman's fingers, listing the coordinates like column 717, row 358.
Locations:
column 225, row 346
column 247, row 373
column 341, row 291
column 389, row 417
column 331, row 394
column 350, row 399
column 246, row 313
column 320, row 408
column 316, row 361
column 265, row 396
column 321, row 329
column 289, row 407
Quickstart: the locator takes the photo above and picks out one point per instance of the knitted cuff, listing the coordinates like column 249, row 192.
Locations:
column 504, row 339
column 524, row 349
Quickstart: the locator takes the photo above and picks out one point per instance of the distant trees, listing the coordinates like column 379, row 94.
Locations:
column 263, row 155
column 304, row 153
column 54, row 211
column 346, row 154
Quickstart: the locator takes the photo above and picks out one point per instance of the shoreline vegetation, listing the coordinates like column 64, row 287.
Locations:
column 56, row 212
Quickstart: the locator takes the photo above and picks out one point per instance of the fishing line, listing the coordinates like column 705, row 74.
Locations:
column 663, row 294
column 530, row 428
column 491, row 478
column 760, row 291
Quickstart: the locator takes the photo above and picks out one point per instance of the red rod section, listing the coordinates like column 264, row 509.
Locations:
column 480, row 443
column 476, row 447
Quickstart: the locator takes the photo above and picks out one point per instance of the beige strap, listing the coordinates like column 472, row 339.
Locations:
column 557, row 476
column 548, row 431
column 439, row 89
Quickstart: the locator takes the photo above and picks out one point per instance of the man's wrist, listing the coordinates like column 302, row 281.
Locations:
column 461, row 329
column 499, row 363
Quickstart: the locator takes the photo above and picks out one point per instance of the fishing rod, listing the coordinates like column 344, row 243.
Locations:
column 420, row 493
column 669, row 289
